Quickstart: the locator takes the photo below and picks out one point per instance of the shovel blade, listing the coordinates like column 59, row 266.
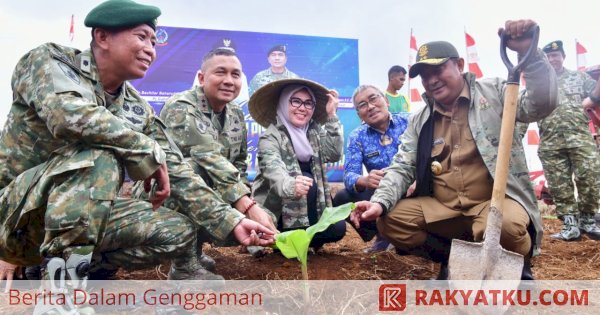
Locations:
column 468, row 262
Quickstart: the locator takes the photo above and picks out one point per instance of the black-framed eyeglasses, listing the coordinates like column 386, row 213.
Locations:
column 296, row 102
column 371, row 100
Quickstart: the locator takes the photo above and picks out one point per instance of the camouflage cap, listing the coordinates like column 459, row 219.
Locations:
column 556, row 45
column 432, row 53
column 263, row 102
column 281, row 48
column 116, row 14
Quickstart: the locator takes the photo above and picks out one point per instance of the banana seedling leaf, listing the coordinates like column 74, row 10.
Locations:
column 293, row 244
column 329, row 217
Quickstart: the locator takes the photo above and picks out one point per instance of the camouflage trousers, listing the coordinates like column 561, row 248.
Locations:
column 560, row 168
column 44, row 212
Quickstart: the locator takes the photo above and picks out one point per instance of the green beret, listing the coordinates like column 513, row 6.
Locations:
column 556, row 45
column 433, row 54
column 116, row 14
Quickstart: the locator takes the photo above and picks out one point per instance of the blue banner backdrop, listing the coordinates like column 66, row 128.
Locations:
column 330, row 61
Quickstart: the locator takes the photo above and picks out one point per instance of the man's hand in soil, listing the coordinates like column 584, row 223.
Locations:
column 365, row 211
column 8, row 271
column 249, row 233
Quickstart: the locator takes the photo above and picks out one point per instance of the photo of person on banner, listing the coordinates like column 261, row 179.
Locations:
column 277, row 57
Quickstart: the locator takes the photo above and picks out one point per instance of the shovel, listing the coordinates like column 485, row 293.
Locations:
column 488, row 260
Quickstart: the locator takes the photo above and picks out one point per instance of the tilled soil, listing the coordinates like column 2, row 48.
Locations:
column 345, row 260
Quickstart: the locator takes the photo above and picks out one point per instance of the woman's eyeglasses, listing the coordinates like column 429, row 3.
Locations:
column 296, row 102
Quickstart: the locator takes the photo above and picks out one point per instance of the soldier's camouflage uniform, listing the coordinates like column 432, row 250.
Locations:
column 484, row 117
column 274, row 185
column 266, row 76
column 218, row 153
column 63, row 153
column 567, row 147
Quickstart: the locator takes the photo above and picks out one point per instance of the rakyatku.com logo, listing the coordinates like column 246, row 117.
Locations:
column 392, row 297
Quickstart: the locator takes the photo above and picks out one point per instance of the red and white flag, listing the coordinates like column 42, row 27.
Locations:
column 472, row 58
column 72, row 28
column 581, row 51
column 415, row 96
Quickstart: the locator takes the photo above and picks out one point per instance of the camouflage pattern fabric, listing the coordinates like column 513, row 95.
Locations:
column 274, row 185
column 138, row 237
column 567, row 148
column 487, row 96
column 266, row 76
column 567, row 126
column 559, row 167
column 64, row 150
column 219, row 156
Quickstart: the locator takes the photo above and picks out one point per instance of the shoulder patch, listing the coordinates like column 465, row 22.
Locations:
column 70, row 73
column 201, row 126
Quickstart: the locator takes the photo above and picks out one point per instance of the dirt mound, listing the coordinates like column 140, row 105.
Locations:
column 345, row 260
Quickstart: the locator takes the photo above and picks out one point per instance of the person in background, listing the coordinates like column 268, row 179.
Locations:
column 372, row 144
column 397, row 102
column 591, row 105
column 303, row 133
column 567, row 151
column 277, row 57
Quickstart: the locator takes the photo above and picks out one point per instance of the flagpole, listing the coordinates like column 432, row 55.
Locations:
column 576, row 55
column 72, row 29
column 466, row 44
column 409, row 65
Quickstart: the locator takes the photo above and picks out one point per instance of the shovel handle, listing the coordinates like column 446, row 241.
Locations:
column 514, row 72
column 494, row 222
column 504, row 149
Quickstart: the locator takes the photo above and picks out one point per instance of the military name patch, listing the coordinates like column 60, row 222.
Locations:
column 372, row 154
column 134, row 120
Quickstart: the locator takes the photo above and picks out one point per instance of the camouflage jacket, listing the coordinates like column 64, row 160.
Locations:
column 266, row 76
column 274, row 185
column 219, row 157
column 59, row 107
column 487, row 96
column 567, row 126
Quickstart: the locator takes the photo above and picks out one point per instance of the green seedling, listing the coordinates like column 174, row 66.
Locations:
column 294, row 244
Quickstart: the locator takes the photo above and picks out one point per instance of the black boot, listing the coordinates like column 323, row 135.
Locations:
column 102, row 269
column 436, row 249
column 33, row 272
column 527, row 273
column 443, row 274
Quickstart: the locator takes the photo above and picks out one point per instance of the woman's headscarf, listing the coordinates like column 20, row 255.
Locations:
column 302, row 146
